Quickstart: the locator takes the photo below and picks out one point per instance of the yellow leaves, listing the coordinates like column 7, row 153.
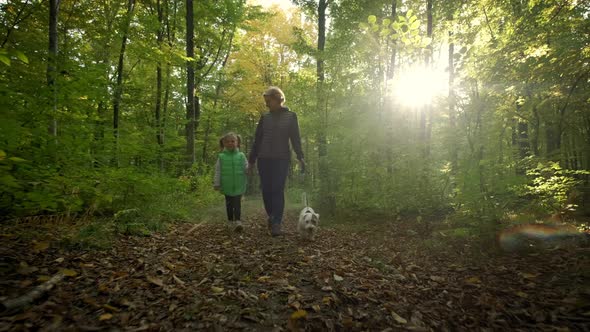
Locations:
column 40, row 246
column 68, row 272
column 263, row 296
column 522, row 294
column 298, row 314
column 327, row 300
column 398, row 318
column 216, row 289
column 263, row 278
column 43, row 278
column 528, row 275
column 473, row 280
column 104, row 317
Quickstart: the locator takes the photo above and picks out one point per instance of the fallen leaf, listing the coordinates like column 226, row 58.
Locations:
column 298, row 314
column 41, row 246
column 473, row 280
column 337, row 277
column 263, row 296
column 105, row 317
column 43, row 278
column 59, row 260
column 178, row 280
column 155, row 281
column 528, row 275
column 327, row 288
column 216, row 289
column 68, row 272
column 327, row 300
column 522, row 294
column 111, row 308
column 316, row 308
column 398, row 318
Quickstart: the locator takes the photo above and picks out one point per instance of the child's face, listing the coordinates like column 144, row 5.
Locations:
column 230, row 143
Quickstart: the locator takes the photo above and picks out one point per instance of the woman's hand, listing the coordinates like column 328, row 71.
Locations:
column 302, row 165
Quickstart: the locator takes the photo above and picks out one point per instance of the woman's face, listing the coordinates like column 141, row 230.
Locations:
column 272, row 102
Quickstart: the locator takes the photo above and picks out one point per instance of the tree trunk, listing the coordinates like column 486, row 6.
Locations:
column 321, row 111
column 160, row 39
column 426, row 114
column 326, row 192
column 52, row 63
column 190, row 85
column 119, row 84
column 452, row 115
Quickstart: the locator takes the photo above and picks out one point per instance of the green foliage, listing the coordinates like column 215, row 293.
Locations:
column 551, row 186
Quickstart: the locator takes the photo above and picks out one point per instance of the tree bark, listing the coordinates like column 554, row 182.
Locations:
column 119, row 85
column 160, row 40
column 190, row 85
column 52, row 63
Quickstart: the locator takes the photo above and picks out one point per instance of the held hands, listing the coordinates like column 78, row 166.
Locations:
column 250, row 169
column 302, row 166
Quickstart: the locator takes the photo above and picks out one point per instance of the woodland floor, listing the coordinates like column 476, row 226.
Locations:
column 205, row 277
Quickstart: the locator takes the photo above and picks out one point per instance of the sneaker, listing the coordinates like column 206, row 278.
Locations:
column 238, row 226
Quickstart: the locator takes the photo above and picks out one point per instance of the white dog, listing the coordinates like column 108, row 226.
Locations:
column 308, row 221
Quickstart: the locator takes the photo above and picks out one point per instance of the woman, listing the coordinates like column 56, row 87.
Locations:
column 271, row 151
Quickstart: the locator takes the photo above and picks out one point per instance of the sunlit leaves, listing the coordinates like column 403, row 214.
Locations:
column 405, row 28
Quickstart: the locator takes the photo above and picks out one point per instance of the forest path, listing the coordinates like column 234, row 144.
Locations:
column 204, row 276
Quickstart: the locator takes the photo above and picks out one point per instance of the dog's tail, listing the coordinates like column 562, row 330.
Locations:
column 304, row 199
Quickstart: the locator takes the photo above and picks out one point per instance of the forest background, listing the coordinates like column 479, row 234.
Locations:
column 477, row 111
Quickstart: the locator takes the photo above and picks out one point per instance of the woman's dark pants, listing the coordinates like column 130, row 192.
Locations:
column 273, row 175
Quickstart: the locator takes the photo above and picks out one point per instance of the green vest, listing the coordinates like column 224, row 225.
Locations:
column 233, row 172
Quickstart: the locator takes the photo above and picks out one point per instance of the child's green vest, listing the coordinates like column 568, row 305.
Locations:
column 233, row 172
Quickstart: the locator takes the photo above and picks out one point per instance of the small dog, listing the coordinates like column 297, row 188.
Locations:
column 308, row 221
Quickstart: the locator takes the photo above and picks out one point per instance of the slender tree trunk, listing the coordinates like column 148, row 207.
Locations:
column 426, row 114
column 119, row 84
column 190, row 85
column 326, row 190
column 389, row 98
column 52, row 64
column 159, row 39
column 321, row 111
column 452, row 114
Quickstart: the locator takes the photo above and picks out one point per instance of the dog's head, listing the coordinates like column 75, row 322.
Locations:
column 312, row 220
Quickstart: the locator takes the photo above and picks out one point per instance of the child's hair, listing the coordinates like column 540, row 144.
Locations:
column 231, row 134
column 276, row 93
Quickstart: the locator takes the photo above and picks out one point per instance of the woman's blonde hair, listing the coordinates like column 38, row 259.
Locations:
column 275, row 92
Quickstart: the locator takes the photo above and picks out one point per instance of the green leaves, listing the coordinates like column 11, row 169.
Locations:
column 405, row 28
column 7, row 55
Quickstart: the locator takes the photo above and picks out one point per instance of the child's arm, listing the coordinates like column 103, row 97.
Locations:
column 217, row 176
column 246, row 164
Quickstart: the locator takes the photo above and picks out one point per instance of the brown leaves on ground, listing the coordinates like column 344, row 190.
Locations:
column 210, row 278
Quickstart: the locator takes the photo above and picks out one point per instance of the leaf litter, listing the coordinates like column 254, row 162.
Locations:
column 206, row 277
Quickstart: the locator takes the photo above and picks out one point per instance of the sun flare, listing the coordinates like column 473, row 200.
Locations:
column 419, row 86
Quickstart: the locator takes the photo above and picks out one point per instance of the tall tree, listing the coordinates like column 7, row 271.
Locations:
column 52, row 62
column 190, row 84
column 119, row 85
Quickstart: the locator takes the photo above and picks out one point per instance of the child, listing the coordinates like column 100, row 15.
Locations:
column 230, row 177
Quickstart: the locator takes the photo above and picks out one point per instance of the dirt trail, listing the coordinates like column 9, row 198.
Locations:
column 207, row 277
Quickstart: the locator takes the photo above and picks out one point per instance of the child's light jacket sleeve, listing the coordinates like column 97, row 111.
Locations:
column 217, row 176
